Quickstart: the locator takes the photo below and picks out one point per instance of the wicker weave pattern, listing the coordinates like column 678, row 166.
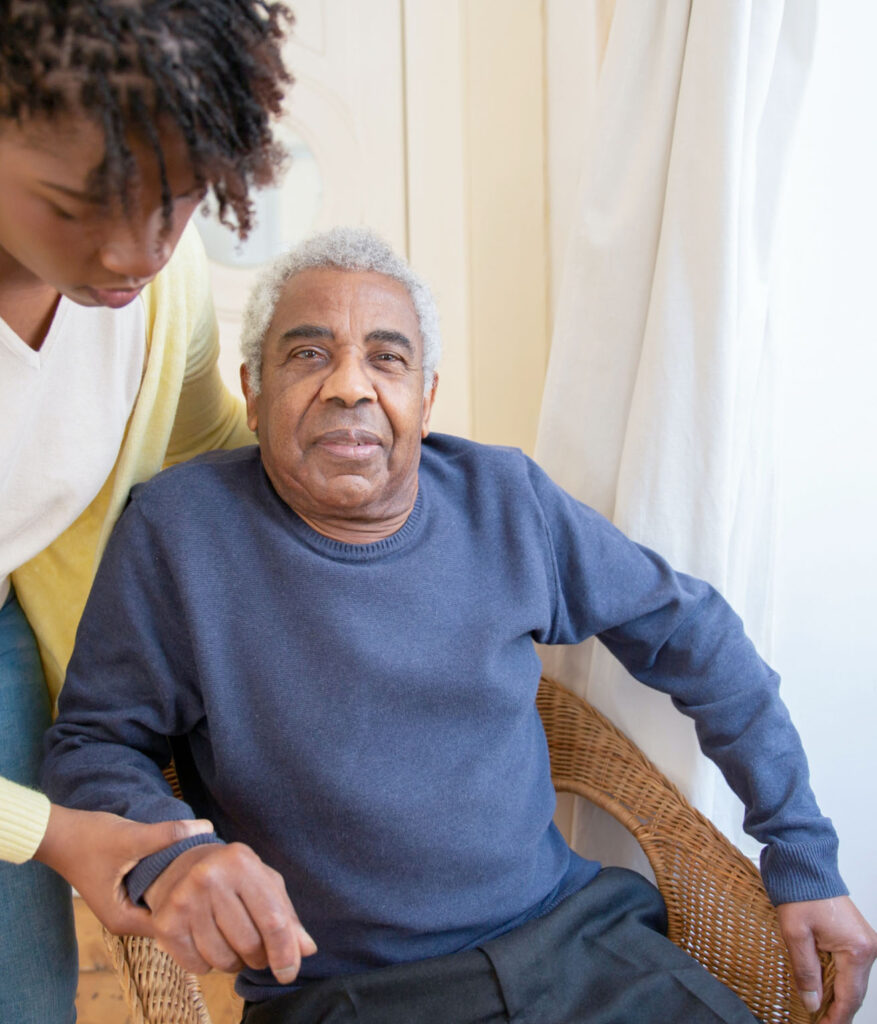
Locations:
column 717, row 908
column 156, row 989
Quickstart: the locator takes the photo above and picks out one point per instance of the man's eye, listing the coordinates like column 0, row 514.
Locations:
column 306, row 353
column 388, row 357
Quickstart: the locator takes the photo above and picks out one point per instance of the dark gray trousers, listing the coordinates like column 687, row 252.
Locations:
column 599, row 957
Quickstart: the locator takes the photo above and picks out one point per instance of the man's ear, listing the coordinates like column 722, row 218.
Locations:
column 428, row 400
column 252, row 416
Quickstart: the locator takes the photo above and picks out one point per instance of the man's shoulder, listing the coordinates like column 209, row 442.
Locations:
column 481, row 466
column 503, row 478
column 448, row 449
column 214, row 474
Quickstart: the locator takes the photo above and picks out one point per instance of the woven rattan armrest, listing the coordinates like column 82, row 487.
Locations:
column 718, row 910
column 156, row 989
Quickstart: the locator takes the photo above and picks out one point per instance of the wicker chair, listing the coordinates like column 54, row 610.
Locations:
column 717, row 908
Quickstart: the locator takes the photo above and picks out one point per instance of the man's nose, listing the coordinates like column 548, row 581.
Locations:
column 348, row 381
column 137, row 249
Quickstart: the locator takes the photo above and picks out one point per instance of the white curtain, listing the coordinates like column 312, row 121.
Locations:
column 660, row 401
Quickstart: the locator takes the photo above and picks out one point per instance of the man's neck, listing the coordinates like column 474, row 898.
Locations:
column 355, row 531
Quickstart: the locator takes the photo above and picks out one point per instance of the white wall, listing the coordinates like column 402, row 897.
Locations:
column 477, row 222
column 424, row 124
column 826, row 636
column 347, row 106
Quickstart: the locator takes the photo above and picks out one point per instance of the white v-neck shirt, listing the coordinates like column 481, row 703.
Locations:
column 63, row 413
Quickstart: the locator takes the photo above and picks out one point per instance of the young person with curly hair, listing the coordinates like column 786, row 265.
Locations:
column 116, row 118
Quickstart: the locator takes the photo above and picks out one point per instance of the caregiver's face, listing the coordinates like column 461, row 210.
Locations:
column 54, row 229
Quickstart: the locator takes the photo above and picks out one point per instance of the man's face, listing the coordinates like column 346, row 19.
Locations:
column 54, row 231
column 342, row 409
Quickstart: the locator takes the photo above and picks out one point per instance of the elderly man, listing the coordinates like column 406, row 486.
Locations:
column 335, row 631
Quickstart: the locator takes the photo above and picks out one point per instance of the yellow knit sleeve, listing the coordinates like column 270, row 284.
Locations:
column 208, row 416
column 24, row 814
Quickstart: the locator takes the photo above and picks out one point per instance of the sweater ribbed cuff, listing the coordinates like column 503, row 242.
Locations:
column 793, row 872
column 24, row 815
column 140, row 877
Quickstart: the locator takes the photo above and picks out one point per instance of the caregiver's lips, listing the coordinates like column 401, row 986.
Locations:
column 114, row 298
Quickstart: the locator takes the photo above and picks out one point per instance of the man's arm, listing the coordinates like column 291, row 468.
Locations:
column 678, row 635
column 131, row 685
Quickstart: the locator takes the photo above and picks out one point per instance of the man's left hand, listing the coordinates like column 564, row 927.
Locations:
column 832, row 926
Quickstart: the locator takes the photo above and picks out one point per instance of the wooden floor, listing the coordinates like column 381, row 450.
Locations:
column 99, row 999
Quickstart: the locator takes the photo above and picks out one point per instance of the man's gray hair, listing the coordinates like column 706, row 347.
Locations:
column 357, row 249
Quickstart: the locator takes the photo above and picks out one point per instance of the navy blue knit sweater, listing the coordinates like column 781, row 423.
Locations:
column 363, row 716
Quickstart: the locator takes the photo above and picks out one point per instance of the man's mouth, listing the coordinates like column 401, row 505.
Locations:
column 350, row 444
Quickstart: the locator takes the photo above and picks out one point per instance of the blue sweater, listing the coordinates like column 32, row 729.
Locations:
column 363, row 716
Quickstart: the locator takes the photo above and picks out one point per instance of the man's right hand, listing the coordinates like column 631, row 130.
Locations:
column 221, row 906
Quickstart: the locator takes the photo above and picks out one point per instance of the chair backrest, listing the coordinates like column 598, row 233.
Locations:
column 717, row 908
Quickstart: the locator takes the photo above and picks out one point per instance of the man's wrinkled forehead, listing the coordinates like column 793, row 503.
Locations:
column 313, row 303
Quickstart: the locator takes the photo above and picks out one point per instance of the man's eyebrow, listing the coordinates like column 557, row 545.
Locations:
column 307, row 331
column 394, row 337
column 317, row 331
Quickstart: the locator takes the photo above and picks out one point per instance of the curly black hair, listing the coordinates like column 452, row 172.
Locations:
column 212, row 69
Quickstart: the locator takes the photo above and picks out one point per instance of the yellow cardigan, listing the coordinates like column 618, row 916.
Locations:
column 182, row 408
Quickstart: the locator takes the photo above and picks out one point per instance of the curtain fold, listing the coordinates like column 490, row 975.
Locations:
column 660, row 404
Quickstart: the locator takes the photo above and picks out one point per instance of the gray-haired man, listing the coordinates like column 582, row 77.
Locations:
column 336, row 631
